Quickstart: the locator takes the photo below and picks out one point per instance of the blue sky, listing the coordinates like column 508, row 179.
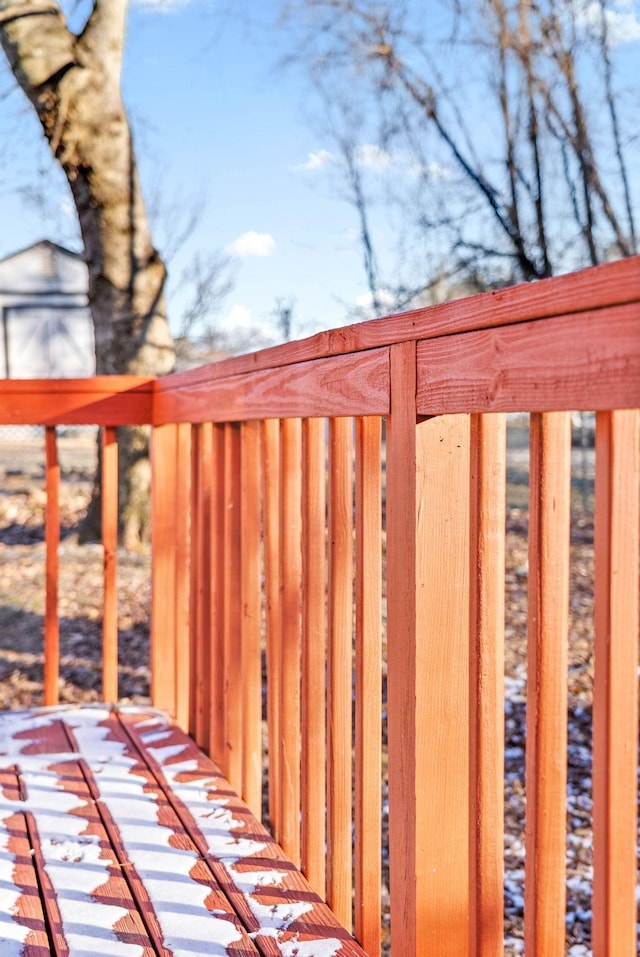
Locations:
column 220, row 127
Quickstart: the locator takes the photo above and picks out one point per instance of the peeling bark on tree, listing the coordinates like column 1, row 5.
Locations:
column 73, row 82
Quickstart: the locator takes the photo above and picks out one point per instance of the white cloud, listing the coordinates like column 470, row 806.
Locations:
column 385, row 297
column 316, row 160
column 623, row 24
column 433, row 171
column 238, row 317
column 368, row 155
column 164, row 6
column 373, row 156
column 252, row 243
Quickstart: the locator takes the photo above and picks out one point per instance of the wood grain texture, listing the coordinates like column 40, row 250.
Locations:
column 401, row 648
column 335, row 386
column 109, row 503
column 101, row 400
column 608, row 285
column 427, row 672
column 182, row 620
column 251, row 601
column 270, row 457
column 290, row 650
column 442, row 685
column 615, row 706
column 163, row 653
column 216, row 557
column 547, row 644
column 232, row 649
column 195, row 574
column 339, row 669
column 587, row 360
column 314, row 654
column 52, row 540
column 312, row 923
column 202, row 686
column 486, row 684
column 27, row 911
column 368, row 685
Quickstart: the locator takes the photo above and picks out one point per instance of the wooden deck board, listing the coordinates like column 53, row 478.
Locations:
column 118, row 836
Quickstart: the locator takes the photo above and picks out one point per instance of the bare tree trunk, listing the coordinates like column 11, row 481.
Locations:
column 73, row 83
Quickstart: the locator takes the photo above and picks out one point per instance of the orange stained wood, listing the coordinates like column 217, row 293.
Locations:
column 251, row 664
column 163, row 651
column 615, row 718
column 368, row 685
column 334, row 386
column 339, row 668
column 182, row 516
column 195, row 577
column 602, row 287
column 216, row 557
column 232, row 653
column 288, row 801
column 241, row 904
column 428, row 677
column 401, row 650
column 486, row 684
column 547, row 642
column 202, row 650
column 442, row 685
column 100, row 400
column 270, row 457
column 314, row 650
column 581, row 360
column 52, row 535
column 109, row 501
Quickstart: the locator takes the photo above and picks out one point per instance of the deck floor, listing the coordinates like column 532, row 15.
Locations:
column 119, row 837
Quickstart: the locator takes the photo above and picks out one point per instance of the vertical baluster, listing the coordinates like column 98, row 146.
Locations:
column 314, row 650
column 251, row 664
column 339, row 704
column 546, row 752
column 216, row 553
column 52, row 537
column 195, row 573
column 203, row 645
column 182, row 510
column 486, row 685
column 290, row 638
column 232, row 657
column 163, row 461
column 109, row 494
column 368, row 810
column 271, row 519
column 615, row 706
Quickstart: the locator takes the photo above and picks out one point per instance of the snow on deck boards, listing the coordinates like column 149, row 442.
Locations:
column 119, row 837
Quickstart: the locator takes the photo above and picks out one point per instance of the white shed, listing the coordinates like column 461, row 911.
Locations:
column 46, row 329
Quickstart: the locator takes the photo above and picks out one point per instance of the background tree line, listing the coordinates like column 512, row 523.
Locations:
column 495, row 137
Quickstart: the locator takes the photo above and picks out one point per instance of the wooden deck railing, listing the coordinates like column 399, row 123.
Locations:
column 324, row 501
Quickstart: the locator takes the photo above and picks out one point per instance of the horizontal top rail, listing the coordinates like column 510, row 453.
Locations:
column 100, row 400
column 569, row 342
column 598, row 287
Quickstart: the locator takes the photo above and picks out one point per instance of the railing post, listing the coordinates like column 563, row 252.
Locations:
column 428, row 676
